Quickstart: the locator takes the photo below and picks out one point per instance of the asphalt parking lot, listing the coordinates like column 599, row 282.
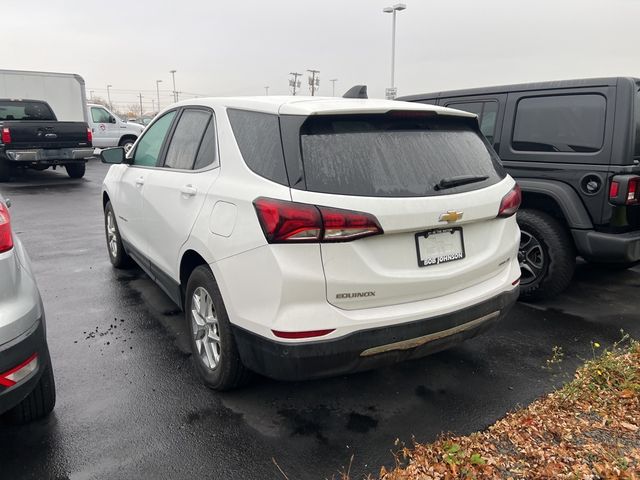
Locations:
column 130, row 404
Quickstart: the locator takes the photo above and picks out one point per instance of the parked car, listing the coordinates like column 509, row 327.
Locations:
column 313, row 237
column 27, row 386
column 574, row 148
column 109, row 130
column 43, row 122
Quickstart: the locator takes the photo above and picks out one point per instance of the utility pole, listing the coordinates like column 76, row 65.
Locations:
column 158, row 82
column 175, row 93
column 398, row 7
column 109, row 96
column 333, row 86
column 141, row 111
column 314, row 81
column 91, row 94
column 153, row 105
column 295, row 83
column 266, row 90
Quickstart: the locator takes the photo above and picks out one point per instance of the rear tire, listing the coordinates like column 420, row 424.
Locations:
column 213, row 347
column 76, row 170
column 117, row 255
column 547, row 256
column 39, row 403
column 5, row 171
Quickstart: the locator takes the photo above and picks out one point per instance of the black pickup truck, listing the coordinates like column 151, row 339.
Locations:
column 32, row 137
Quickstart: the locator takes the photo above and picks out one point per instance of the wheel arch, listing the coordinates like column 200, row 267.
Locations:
column 127, row 136
column 105, row 200
column 190, row 260
column 557, row 199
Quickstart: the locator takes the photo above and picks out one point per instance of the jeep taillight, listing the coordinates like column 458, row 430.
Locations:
column 510, row 202
column 6, row 239
column 291, row 222
column 89, row 136
column 625, row 190
column 5, row 137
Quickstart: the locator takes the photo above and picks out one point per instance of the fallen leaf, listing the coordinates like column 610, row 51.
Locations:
column 629, row 426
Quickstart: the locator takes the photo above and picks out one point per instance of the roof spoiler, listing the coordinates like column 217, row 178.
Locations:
column 357, row 91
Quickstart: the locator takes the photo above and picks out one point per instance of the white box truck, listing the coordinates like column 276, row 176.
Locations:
column 43, row 122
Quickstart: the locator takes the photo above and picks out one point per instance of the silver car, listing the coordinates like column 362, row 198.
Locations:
column 27, row 387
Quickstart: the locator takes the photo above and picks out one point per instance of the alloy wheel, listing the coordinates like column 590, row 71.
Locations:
column 531, row 258
column 112, row 235
column 205, row 328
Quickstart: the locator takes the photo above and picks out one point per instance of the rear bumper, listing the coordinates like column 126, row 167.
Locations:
column 372, row 348
column 16, row 352
column 608, row 247
column 53, row 156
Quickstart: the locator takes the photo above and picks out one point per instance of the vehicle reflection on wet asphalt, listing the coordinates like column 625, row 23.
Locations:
column 130, row 404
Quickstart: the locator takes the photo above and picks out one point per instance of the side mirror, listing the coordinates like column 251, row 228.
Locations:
column 113, row 155
column 112, row 119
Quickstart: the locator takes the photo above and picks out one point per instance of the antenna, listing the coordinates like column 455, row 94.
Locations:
column 357, row 91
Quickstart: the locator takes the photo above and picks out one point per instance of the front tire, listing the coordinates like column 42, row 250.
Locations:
column 39, row 403
column 76, row 170
column 213, row 347
column 547, row 256
column 117, row 255
column 127, row 143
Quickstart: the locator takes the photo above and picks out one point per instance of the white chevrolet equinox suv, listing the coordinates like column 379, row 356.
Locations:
column 306, row 237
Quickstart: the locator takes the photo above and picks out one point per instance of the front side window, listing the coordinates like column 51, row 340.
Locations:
column 560, row 123
column 186, row 139
column 150, row 144
column 99, row 115
column 387, row 155
column 487, row 112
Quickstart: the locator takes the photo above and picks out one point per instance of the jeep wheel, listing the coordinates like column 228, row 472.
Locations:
column 76, row 170
column 213, row 347
column 546, row 255
column 5, row 171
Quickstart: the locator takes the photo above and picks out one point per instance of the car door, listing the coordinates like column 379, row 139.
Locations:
column 129, row 204
column 104, row 130
column 175, row 192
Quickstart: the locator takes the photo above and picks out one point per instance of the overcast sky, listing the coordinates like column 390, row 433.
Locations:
column 238, row 47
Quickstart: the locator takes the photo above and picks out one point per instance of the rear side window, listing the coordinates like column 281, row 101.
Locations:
column 394, row 156
column 637, row 149
column 25, row 110
column 186, row 139
column 258, row 137
column 560, row 123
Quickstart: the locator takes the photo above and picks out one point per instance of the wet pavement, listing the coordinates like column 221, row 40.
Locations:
column 130, row 404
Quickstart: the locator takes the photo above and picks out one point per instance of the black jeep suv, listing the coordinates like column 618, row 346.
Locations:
column 574, row 148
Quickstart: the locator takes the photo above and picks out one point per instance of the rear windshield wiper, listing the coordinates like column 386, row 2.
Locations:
column 451, row 182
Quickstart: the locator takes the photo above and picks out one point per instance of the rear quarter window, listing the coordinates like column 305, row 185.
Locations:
column 388, row 155
column 258, row 137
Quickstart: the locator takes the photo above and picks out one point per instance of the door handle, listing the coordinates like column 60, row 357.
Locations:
column 140, row 181
column 189, row 190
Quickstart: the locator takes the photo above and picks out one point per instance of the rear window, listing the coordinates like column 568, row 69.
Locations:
column 25, row 110
column 394, row 156
column 636, row 152
column 560, row 123
column 258, row 137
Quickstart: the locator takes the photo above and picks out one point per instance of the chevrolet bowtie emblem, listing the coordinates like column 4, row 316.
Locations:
column 450, row 216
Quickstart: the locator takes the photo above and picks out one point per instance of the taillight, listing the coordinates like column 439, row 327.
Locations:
column 510, row 202
column 625, row 190
column 89, row 136
column 291, row 222
column 6, row 239
column 6, row 135
column 20, row 372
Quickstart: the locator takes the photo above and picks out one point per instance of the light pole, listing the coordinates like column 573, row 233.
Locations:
column 109, row 96
column 266, row 90
column 175, row 94
column 333, row 86
column 158, row 82
column 398, row 7
column 91, row 94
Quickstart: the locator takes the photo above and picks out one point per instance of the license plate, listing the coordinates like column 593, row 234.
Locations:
column 438, row 246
